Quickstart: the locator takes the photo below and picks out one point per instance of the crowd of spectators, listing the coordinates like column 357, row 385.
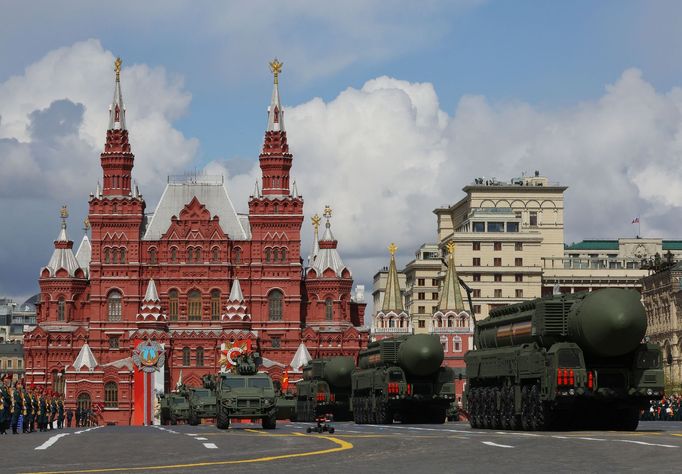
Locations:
column 665, row 409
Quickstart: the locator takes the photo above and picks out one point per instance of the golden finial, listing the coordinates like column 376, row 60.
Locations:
column 64, row 212
column 392, row 249
column 86, row 224
column 117, row 68
column 451, row 248
column 327, row 212
column 316, row 221
column 276, row 69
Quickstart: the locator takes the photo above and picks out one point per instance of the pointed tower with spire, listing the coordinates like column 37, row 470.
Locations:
column 117, row 159
column 275, row 159
column 116, row 216
column 62, row 280
column 329, row 282
column 391, row 319
column 275, row 218
column 451, row 311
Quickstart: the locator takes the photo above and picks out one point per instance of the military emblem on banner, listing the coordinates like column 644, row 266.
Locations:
column 229, row 351
column 149, row 356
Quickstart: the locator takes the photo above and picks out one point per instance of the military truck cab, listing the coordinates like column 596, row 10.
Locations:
column 245, row 396
column 202, row 404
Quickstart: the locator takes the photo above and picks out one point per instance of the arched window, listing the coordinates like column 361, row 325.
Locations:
column 215, row 305
column 197, row 255
column 237, row 255
column 110, row 395
column 84, row 401
column 58, row 381
column 450, row 322
column 200, row 357
column 173, row 305
column 275, row 305
column 114, row 306
column 61, row 309
column 215, row 254
column 190, row 254
column 328, row 309
column 267, row 255
column 391, row 323
column 174, row 254
column 152, row 255
column 106, row 255
column 194, row 306
column 275, row 254
column 276, row 208
column 123, row 255
column 114, row 256
column 185, row 356
column 283, row 255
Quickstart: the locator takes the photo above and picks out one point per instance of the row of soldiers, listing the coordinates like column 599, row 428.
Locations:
column 36, row 407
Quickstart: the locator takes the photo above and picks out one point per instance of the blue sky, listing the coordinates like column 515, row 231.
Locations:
column 485, row 78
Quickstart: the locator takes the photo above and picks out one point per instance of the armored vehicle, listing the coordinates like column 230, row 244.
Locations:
column 245, row 394
column 202, row 404
column 325, row 389
column 564, row 361
column 401, row 378
column 286, row 406
column 174, row 407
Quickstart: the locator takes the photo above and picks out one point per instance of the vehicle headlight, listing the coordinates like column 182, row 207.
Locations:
column 649, row 391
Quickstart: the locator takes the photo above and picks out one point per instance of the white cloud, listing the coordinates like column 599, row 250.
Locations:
column 53, row 121
column 83, row 74
column 386, row 155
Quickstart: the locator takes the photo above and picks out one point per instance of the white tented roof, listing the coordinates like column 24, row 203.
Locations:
column 83, row 255
column 85, row 359
column 211, row 194
column 63, row 257
column 301, row 358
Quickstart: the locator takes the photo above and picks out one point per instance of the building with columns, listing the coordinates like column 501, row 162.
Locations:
column 195, row 276
column 662, row 298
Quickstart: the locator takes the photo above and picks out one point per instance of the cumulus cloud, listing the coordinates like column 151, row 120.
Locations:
column 385, row 155
column 53, row 121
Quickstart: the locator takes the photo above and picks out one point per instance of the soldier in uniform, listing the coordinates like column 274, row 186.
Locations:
column 60, row 411
column 27, row 413
column 42, row 412
column 17, row 406
column 53, row 409
column 5, row 405
column 36, row 407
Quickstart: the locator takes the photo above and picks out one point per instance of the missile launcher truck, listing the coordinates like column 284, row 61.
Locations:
column 325, row 389
column 401, row 378
column 565, row 361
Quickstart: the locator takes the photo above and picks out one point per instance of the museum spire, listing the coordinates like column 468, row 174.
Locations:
column 275, row 159
column 117, row 159
column 392, row 298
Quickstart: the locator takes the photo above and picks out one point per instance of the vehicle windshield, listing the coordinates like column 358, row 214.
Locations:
column 259, row 383
column 233, row 382
column 202, row 392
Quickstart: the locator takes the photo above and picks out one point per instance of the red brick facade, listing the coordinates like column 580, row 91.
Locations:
column 193, row 262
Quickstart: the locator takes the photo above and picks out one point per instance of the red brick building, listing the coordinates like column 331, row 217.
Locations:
column 193, row 276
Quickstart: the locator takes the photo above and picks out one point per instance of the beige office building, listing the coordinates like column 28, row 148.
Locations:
column 502, row 232
column 510, row 247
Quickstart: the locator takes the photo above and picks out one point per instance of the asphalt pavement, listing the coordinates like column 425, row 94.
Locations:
column 452, row 447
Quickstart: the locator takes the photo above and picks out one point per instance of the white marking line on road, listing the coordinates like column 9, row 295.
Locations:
column 490, row 443
column 590, row 439
column 210, row 445
column 561, row 437
column 202, row 439
column 89, row 429
column 51, row 441
column 191, row 434
column 646, row 444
